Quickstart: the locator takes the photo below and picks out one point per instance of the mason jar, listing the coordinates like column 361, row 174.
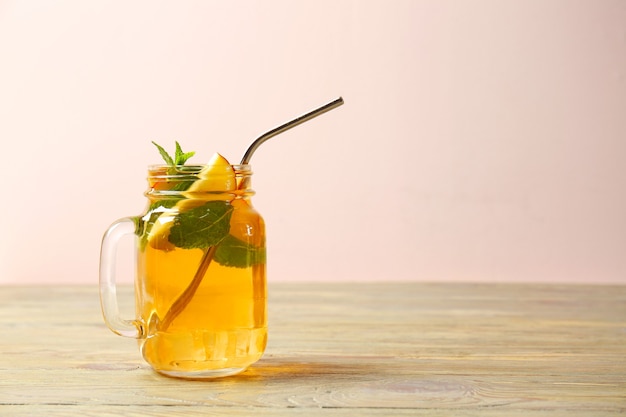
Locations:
column 200, row 282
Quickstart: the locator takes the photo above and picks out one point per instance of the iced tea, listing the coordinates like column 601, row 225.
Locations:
column 202, row 308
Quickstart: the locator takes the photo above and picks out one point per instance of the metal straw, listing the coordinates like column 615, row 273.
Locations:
column 293, row 123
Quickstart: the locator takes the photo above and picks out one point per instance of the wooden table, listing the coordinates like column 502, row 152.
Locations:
column 337, row 350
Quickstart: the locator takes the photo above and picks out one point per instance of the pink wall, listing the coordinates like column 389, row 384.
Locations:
column 480, row 140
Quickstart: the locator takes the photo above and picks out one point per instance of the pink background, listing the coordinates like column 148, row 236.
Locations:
column 480, row 140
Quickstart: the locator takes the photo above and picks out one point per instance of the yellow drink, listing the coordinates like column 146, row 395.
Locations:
column 202, row 322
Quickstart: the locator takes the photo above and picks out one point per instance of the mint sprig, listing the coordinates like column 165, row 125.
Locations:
column 180, row 157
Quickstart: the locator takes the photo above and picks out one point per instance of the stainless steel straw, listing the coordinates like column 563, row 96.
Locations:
column 286, row 126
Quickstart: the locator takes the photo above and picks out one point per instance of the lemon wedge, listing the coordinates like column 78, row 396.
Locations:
column 216, row 178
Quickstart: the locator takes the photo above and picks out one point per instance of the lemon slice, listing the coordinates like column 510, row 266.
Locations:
column 217, row 175
column 215, row 179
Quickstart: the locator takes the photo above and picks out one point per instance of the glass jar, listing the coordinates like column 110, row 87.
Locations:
column 200, row 285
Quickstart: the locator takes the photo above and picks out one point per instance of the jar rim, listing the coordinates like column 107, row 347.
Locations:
column 195, row 168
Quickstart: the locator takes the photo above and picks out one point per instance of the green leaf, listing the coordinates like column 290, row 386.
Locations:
column 166, row 156
column 186, row 156
column 203, row 226
column 178, row 152
column 181, row 157
column 236, row 253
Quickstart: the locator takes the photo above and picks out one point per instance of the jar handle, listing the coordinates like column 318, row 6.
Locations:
column 108, row 289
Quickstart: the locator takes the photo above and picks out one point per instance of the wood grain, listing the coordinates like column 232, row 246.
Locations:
column 336, row 350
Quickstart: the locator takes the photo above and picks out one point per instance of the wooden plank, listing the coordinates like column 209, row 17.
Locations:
column 193, row 411
column 338, row 349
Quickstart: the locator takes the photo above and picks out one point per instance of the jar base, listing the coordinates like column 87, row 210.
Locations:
column 205, row 374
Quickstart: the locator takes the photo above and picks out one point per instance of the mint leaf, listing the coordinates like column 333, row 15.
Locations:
column 178, row 152
column 202, row 226
column 166, row 156
column 181, row 157
column 185, row 176
column 236, row 253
